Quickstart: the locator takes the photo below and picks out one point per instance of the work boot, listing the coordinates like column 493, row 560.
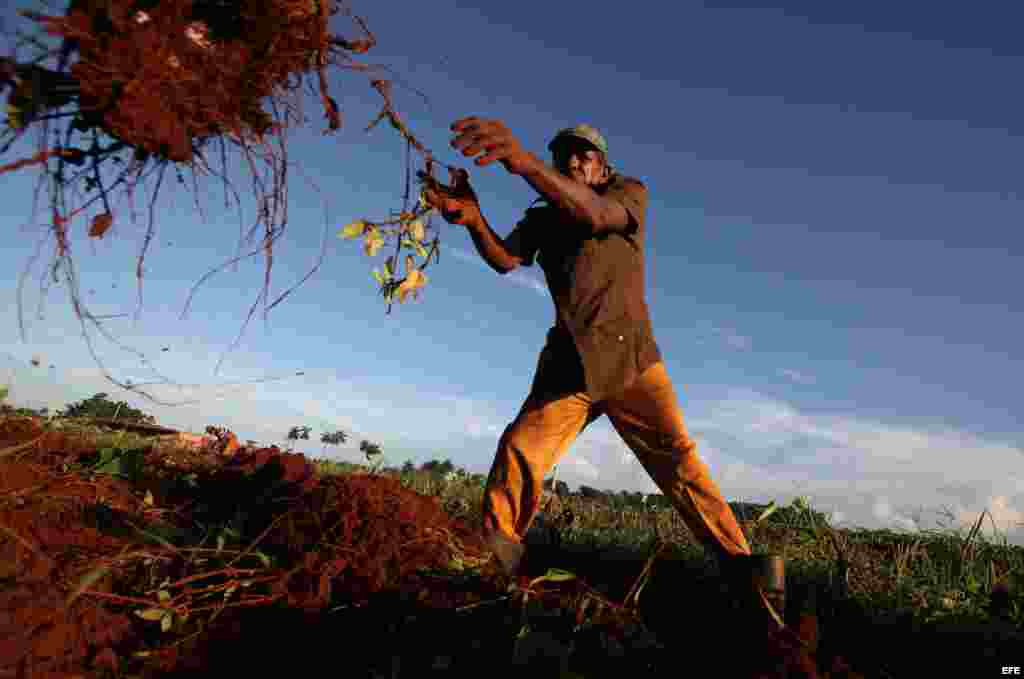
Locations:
column 777, row 651
column 508, row 553
column 747, row 598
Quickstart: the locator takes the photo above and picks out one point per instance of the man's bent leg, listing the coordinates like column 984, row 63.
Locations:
column 648, row 417
column 529, row 447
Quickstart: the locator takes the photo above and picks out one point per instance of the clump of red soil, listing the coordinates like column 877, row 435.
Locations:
column 79, row 560
column 161, row 76
column 349, row 535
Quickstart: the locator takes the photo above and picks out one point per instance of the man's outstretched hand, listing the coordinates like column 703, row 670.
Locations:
column 492, row 138
column 457, row 202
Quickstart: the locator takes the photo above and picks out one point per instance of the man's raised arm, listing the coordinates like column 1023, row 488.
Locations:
column 496, row 252
column 459, row 204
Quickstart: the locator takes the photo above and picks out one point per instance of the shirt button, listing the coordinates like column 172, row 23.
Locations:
column 621, row 338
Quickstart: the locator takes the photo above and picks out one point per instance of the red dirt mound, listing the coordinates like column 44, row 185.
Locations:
column 83, row 554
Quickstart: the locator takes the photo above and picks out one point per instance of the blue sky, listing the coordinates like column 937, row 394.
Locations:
column 835, row 239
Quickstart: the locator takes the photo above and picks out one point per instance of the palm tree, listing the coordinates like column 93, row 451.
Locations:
column 333, row 438
column 297, row 433
column 371, row 450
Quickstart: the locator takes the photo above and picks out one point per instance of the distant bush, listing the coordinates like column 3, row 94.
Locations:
column 99, row 405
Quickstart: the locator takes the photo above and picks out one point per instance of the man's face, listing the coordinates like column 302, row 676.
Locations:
column 579, row 160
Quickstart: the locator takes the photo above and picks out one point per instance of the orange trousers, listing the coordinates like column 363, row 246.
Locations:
column 648, row 418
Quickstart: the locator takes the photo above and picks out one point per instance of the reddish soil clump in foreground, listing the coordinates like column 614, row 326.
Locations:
column 163, row 562
column 130, row 572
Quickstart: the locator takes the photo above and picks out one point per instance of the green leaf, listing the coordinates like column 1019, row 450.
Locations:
column 113, row 467
column 421, row 251
column 768, row 511
column 163, row 595
column 107, row 455
column 378, row 277
column 151, row 614
column 264, row 559
column 559, row 575
column 554, row 575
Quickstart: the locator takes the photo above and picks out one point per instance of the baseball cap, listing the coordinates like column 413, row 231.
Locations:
column 587, row 133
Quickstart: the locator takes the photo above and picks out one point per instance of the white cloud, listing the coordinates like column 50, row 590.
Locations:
column 872, row 473
column 574, row 467
column 527, row 281
column 736, row 341
column 796, row 376
column 601, row 459
column 706, row 332
column 517, row 277
column 882, row 511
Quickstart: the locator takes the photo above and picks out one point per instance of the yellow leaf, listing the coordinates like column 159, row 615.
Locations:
column 374, row 242
column 353, row 230
column 412, row 283
column 416, row 230
column 151, row 614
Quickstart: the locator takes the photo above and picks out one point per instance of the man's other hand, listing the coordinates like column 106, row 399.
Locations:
column 457, row 203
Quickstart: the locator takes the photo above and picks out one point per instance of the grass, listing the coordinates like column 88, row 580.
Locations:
column 944, row 575
column 934, row 575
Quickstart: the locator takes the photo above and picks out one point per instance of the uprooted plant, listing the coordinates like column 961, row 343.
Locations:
column 138, row 88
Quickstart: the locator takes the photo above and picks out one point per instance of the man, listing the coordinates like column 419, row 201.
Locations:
column 600, row 357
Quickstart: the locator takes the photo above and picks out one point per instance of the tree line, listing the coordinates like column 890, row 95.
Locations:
column 101, row 406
